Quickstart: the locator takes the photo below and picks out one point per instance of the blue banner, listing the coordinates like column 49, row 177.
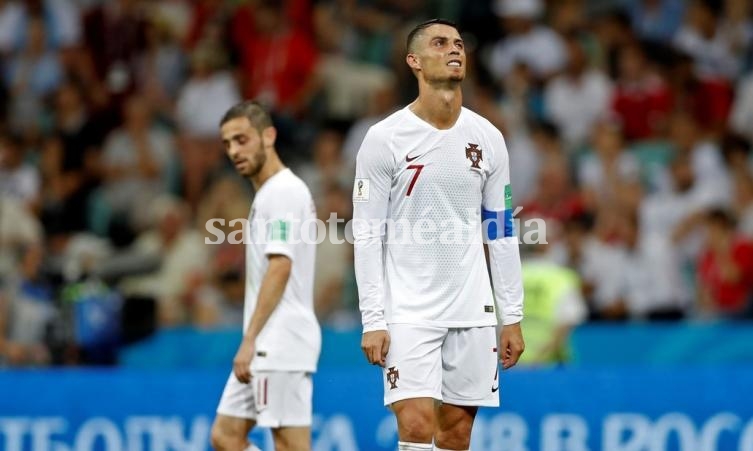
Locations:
column 547, row 410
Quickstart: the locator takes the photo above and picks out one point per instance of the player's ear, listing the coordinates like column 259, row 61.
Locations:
column 413, row 62
column 269, row 136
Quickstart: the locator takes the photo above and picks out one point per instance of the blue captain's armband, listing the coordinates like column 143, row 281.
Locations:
column 497, row 224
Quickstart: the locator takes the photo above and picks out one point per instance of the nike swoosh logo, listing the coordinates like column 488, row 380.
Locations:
column 496, row 373
column 409, row 159
column 495, row 389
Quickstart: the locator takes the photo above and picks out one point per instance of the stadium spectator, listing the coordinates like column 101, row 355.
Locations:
column 528, row 42
column 328, row 165
column 11, row 19
column 18, row 179
column 656, row 20
column 708, row 100
column 555, row 197
column 203, row 99
column 278, row 61
column 725, row 268
column 677, row 213
column 335, row 296
column 568, row 17
column 184, row 261
column 206, row 18
column 528, row 154
column 32, row 74
column 736, row 28
column 27, row 309
column 220, row 299
column 736, row 153
column 614, row 32
column 69, row 164
column 653, row 285
column 579, row 97
column 382, row 102
column 601, row 266
column 206, row 94
column 162, row 67
column 702, row 39
column 601, row 172
column 554, row 306
column 135, row 159
column 687, row 138
column 115, row 35
column 349, row 87
column 641, row 98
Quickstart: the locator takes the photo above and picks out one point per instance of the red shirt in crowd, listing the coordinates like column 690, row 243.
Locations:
column 728, row 294
column 642, row 106
column 277, row 66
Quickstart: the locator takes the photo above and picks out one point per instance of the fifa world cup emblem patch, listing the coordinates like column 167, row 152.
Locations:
column 392, row 376
column 473, row 153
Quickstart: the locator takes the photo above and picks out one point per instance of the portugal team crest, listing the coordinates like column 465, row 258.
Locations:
column 473, row 153
column 392, row 376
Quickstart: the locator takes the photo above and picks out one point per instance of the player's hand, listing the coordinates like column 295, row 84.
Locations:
column 511, row 345
column 375, row 345
column 242, row 361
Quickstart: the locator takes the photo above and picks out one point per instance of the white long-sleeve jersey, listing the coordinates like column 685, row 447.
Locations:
column 419, row 197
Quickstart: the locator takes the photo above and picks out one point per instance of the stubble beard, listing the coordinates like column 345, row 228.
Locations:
column 448, row 82
column 255, row 163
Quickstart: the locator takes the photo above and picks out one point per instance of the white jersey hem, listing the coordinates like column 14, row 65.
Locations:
column 446, row 324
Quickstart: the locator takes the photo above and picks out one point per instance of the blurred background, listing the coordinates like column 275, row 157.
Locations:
column 629, row 127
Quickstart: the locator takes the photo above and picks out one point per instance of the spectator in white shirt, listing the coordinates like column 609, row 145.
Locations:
column 580, row 96
column 677, row 214
column 652, row 282
column 135, row 158
column 702, row 39
column 208, row 93
column 528, row 42
column 603, row 171
column 18, row 180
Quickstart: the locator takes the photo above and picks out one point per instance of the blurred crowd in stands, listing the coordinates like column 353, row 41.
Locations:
column 628, row 123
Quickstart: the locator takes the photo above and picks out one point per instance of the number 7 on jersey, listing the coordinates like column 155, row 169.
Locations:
column 417, row 168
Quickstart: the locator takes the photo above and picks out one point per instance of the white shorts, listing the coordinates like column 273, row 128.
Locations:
column 455, row 366
column 273, row 399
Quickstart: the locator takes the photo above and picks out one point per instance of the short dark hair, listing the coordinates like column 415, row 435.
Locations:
column 715, row 7
column 256, row 114
column 418, row 29
column 721, row 217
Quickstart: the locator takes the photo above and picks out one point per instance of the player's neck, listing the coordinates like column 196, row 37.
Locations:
column 440, row 107
column 272, row 166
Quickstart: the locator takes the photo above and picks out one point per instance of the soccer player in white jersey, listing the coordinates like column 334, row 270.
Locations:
column 428, row 307
column 270, row 384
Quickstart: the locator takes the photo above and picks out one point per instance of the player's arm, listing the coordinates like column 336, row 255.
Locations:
column 504, row 256
column 272, row 286
column 279, row 251
column 371, row 192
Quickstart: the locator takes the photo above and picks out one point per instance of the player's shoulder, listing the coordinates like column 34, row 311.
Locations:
column 285, row 188
column 384, row 129
column 395, row 118
column 483, row 124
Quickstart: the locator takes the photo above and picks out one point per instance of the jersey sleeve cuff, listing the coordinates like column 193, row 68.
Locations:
column 380, row 325
column 511, row 319
column 279, row 249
